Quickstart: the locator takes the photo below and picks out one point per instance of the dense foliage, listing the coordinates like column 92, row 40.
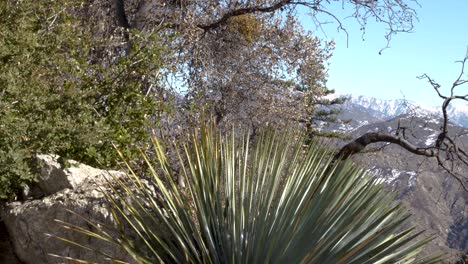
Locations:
column 66, row 90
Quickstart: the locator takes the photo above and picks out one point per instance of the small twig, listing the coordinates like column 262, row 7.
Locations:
column 449, row 171
column 54, row 18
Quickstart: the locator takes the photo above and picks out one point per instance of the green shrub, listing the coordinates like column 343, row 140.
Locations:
column 67, row 91
column 275, row 201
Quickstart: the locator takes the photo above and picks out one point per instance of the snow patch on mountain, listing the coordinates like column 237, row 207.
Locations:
column 431, row 139
column 393, row 176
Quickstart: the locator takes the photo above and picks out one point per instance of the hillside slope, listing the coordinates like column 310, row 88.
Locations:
column 435, row 199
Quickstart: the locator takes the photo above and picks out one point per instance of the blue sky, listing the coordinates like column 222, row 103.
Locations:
column 439, row 38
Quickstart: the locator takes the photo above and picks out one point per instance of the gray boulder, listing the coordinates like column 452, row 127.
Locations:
column 53, row 177
column 32, row 225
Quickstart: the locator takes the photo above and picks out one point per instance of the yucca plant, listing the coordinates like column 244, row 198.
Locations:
column 275, row 200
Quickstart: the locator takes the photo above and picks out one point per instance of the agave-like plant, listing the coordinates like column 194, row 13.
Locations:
column 276, row 200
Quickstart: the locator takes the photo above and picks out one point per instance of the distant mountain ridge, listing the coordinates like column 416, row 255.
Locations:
column 386, row 109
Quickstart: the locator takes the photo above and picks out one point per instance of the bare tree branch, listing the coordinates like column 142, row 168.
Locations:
column 243, row 11
column 398, row 15
column 363, row 141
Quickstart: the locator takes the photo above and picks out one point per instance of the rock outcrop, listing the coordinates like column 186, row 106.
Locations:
column 32, row 225
column 7, row 254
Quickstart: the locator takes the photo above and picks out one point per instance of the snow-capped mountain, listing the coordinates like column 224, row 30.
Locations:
column 386, row 109
column 458, row 114
column 390, row 108
column 359, row 111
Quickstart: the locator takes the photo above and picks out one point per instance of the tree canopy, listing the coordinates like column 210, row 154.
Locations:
column 66, row 90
